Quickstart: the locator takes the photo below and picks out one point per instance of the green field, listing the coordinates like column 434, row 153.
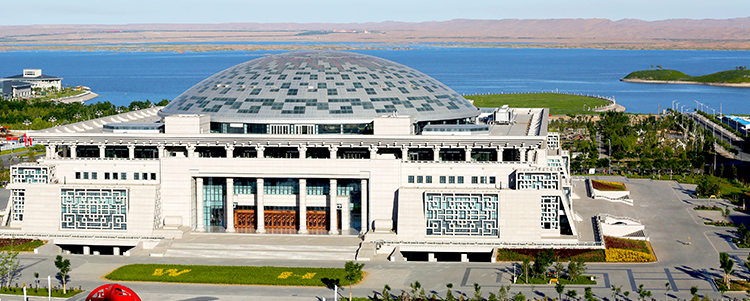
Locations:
column 559, row 104
column 230, row 275
column 729, row 76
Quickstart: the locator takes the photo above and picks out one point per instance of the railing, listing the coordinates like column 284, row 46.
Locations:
column 89, row 236
column 530, row 245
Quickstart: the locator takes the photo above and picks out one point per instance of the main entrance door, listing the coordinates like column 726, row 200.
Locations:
column 281, row 219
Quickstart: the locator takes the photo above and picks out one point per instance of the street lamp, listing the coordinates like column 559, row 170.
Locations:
column 98, row 113
column 27, row 123
column 673, row 104
column 77, row 116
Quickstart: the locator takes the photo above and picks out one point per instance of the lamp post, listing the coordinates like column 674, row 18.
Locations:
column 98, row 113
column 27, row 123
column 673, row 104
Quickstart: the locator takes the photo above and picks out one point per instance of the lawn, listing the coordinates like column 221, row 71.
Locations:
column 42, row 292
column 559, row 104
column 588, row 255
column 248, row 275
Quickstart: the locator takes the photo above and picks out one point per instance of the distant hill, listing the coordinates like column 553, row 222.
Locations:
column 590, row 33
column 733, row 78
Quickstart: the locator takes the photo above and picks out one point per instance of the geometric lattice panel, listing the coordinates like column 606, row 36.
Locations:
column 461, row 214
column 550, row 212
column 94, row 209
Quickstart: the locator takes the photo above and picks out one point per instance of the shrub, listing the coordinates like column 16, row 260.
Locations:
column 625, row 255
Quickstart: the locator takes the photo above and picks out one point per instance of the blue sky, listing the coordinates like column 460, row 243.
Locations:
column 28, row 12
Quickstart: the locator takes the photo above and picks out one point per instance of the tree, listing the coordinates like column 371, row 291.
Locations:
column 414, row 289
column 616, row 291
column 559, row 269
column 542, row 261
column 643, row 293
column 386, row 293
column 666, row 291
column 9, row 266
column 725, row 213
column 726, row 264
column 477, row 292
column 449, row 294
column 353, row 273
column 693, row 290
column 525, row 268
column 626, row 294
column 560, row 289
column 502, row 293
column 588, row 294
column 519, row 297
column 63, row 265
column 571, row 294
column 576, row 268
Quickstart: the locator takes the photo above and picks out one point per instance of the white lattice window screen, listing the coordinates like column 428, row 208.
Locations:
column 94, row 209
column 537, row 181
column 550, row 212
column 18, row 197
column 461, row 215
column 158, row 213
column 38, row 175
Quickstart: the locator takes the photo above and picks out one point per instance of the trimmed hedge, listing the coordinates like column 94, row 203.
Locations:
column 265, row 275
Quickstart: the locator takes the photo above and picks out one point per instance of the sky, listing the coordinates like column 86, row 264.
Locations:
column 31, row 12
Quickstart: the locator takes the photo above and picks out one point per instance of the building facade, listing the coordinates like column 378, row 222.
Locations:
column 305, row 143
column 20, row 86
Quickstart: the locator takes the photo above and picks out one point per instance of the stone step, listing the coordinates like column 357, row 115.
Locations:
column 300, row 253
column 259, row 247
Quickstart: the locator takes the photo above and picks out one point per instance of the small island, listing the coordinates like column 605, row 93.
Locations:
column 740, row 77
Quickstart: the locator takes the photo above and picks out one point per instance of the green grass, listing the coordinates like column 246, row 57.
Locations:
column 729, row 76
column 27, row 247
column 42, row 292
column 559, row 104
column 230, row 275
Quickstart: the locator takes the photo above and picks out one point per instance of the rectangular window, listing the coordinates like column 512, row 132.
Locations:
column 78, row 175
column 114, row 176
column 483, row 180
column 460, row 179
column 94, row 176
column 106, row 176
column 144, row 176
column 474, row 180
column 442, row 179
column 428, row 179
column 135, row 176
column 411, row 179
column 420, row 179
column 492, row 180
column 153, row 176
column 85, row 175
column 123, row 176
column 451, row 180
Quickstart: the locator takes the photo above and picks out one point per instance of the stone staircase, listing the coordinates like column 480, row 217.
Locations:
column 260, row 246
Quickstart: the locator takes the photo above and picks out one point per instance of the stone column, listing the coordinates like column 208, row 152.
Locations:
column 230, row 151
column 373, row 151
column 54, row 151
column 404, row 153
column 102, row 150
column 73, row 152
column 190, row 150
column 302, row 151
column 346, row 216
column 131, row 152
column 160, row 151
column 259, row 209
column 467, row 153
column 522, row 154
column 436, row 154
column 259, row 149
column 332, row 205
column 499, row 154
column 199, row 205
column 86, row 250
column 303, row 206
column 229, row 206
column 49, row 150
column 332, row 149
column 365, row 208
column 116, row 251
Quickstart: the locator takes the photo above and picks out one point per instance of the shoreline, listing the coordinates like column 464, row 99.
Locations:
column 83, row 97
column 681, row 82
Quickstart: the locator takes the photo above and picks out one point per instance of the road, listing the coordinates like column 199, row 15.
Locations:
column 723, row 134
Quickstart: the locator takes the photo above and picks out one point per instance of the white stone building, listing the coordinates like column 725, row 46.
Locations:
column 366, row 146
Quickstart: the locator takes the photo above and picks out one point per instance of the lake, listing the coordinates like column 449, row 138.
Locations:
column 122, row 77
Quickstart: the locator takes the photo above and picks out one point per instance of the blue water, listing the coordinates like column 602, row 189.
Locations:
column 122, row 77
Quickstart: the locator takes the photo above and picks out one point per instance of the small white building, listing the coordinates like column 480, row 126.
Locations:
column 34, row 77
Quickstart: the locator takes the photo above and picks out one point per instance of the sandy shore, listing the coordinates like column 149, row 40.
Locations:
column 738, row 85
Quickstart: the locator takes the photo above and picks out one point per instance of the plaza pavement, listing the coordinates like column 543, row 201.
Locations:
column 665, row 207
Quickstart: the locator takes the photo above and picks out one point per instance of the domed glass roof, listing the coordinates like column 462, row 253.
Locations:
column 320, row 87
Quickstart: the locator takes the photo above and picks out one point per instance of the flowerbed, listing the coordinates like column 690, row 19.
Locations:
column 625, row 255
column 42, row 292
column 721, row 224
column 607, row 185
column 230, row 275
column 590, row 255
column 704, row 207
column 20, row 245
column 584, row 279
